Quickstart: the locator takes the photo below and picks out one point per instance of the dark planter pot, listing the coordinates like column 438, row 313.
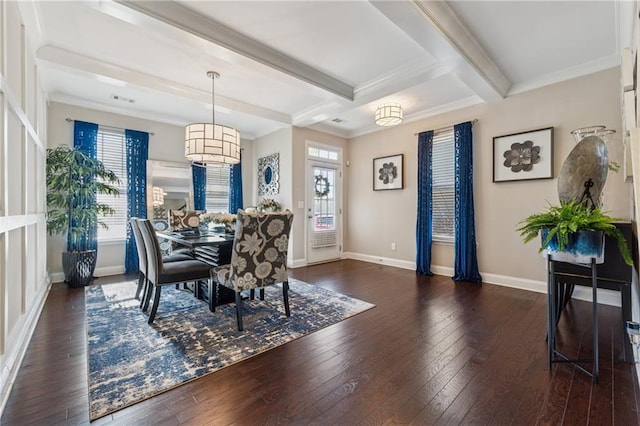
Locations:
column 583, row 245
column 78, row 267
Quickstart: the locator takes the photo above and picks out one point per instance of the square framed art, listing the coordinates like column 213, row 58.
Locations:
column 388, row 172
column 523, row 156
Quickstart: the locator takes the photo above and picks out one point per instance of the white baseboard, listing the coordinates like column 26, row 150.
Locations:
column 12, row 359
column 398, row 263
column 298, row 263
column 110, row 270
column 606, row 297
column 58, row 277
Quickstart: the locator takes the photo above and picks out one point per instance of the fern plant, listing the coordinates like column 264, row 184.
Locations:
column 561, row 221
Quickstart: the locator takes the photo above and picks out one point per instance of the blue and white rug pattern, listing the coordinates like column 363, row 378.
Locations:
column 130, row 360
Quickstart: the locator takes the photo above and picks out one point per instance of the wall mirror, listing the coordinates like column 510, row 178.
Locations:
column 269, row 174
column 169, row 187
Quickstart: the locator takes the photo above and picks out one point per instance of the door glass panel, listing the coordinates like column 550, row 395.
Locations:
column 324, row 200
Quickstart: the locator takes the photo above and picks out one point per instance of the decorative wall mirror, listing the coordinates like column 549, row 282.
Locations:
column 269, row 174
column 169, row 187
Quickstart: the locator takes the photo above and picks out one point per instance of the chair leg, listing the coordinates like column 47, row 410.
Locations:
column 285, row 295
column 148, row 290
column 252, row 294
column 154, row 307
column 143, row 295
column 262, row 294
column 239, row 310
column 141, row 279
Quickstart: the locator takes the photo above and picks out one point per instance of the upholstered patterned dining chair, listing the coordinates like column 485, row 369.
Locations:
column 258, row 258
column 184, row 219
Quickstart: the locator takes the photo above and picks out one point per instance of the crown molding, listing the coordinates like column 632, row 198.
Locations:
column 567, row 74
column 83, row 103
column 331, row 130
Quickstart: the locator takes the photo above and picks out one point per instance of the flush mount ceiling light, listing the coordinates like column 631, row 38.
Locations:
column 389, row 114
column 211, row 142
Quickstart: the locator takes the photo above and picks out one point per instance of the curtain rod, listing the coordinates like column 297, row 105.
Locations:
column 69, row 120
column 474, row 121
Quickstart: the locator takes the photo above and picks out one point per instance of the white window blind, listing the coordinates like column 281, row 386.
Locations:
column 111, row 151
column 443, row 188
column 218, row 188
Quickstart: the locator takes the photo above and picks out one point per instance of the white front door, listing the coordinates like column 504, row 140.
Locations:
column 324, row 213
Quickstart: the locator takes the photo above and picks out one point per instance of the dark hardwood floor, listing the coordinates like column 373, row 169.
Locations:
column 431, row 352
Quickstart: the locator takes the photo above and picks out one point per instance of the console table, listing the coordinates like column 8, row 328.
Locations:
column 613, row 274
column 554, row 307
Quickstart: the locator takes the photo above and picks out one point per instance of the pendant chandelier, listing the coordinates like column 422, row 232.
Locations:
column 210, row 142
column 157, row 194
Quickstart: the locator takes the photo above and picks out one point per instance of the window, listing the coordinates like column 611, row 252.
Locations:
column 325, row 154
column 111, row 151
column 443, row 189
column 218, row 188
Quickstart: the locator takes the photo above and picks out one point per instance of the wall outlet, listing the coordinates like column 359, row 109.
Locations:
column 393, row 246
column 301, row 204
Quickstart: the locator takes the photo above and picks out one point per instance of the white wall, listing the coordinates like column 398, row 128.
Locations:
column 166, row 144
column 278, row 142
column 23, row 278
column 376, row 219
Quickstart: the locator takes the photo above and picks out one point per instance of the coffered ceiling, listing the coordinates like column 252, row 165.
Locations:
column 319, row 64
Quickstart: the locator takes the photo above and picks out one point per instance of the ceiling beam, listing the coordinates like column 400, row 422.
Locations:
column 434, row 26
column 213, row 31
column 97, row 67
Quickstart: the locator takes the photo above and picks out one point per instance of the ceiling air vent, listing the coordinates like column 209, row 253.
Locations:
column 122, row 99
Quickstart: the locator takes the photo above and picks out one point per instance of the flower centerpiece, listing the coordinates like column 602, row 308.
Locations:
column 269, row 205
column 228, row 220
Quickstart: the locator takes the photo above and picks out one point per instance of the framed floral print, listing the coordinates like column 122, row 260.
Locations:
column 523, row 156
column 388, row 172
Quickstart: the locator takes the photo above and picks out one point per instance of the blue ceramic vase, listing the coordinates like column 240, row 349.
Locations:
column 583, row 245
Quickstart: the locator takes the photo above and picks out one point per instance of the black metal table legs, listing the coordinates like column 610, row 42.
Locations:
column 553, row 316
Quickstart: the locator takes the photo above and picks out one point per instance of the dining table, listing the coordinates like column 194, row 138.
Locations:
column 213, row 248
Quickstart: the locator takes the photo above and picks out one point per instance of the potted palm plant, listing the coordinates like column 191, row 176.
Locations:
column 73, row 180
column 573, row 227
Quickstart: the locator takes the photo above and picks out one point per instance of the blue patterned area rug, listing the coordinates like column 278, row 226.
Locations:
column 130, row 360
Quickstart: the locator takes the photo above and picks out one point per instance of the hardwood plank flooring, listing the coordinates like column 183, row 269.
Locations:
column 431, row 352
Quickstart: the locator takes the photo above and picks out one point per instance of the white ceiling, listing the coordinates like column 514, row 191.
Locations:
column 308, row 63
